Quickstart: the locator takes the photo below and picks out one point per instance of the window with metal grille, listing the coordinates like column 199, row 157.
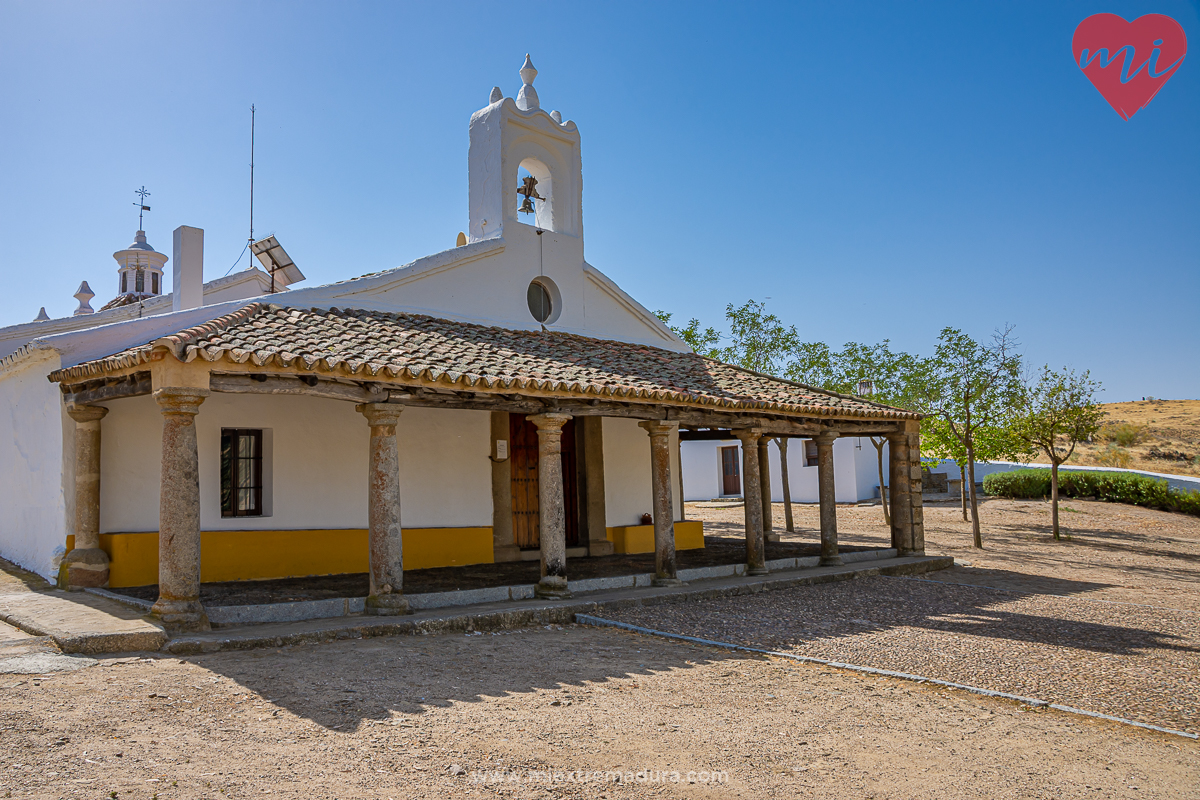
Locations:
column 810, row 453
column 241, row 472
column 154, row 282
column 139, row 282
column 124, row 282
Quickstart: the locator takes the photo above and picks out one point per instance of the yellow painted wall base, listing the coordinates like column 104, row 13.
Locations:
column 257, row 555
column 689, row 535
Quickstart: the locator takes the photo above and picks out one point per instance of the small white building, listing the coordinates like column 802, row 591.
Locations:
column 500, row 400
column 711, row 469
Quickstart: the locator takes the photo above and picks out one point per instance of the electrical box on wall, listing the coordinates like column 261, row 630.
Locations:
column 501, row 450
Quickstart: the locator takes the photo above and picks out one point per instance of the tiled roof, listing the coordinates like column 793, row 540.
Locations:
column 423, row 349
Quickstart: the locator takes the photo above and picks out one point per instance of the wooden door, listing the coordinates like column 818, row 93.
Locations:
column 523, row 455
column 731, row 480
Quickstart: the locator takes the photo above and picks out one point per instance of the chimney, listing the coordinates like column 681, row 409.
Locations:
column 187, row 276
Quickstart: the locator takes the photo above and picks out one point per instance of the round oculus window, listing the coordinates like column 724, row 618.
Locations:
column 540, row 304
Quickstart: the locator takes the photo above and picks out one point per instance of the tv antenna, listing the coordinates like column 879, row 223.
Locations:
column 141, row 204
column 251, row 240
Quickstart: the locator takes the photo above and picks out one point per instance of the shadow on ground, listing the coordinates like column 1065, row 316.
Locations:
column 345, row 684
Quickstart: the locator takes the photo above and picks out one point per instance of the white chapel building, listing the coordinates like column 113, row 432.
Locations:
column 500, row 400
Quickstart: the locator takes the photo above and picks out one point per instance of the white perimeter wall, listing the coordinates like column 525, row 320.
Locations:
column 855, row 471
column 318, row 464
column 35, row 432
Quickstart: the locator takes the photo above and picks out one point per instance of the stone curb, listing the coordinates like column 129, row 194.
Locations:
column 586, row 619
column 529, row 615
column 143, row 606
column 88, row 643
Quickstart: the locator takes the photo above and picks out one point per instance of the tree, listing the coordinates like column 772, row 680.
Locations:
column 1058, row 411
column 758, row 341
column 703, row 342
column 975, row 388
column 890, row 375
column 938, row 441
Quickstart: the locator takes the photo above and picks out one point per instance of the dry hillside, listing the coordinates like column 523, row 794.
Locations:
column 1155, row 435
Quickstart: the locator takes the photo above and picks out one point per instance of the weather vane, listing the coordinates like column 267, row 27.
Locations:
column 141, row 204
column 528, row 190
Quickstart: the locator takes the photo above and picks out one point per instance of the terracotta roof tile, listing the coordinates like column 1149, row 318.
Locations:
column 418, row 348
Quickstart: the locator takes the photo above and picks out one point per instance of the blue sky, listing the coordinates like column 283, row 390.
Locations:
column 878, row 170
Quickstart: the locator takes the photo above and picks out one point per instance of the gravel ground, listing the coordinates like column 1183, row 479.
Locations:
column 427, row 717
column 1127, row 661
column 1044, row 637
column 1110, row 551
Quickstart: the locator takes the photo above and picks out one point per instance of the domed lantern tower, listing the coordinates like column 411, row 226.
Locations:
column 140, row 271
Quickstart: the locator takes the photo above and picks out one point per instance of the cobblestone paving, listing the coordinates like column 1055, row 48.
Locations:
column 1127, row 661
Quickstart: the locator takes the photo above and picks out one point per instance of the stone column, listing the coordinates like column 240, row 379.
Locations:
column 552, row 520
column 178, row 605
column 664, row 510
column 898, row 491
column 828, row 497
column 915, row 488
column 756, row 552
column 385, row 544
column 86, row 564
column 764, row 480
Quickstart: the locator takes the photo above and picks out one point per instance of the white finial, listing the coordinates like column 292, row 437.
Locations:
column 42, row 315
column 527, row 99
column 497, row 95
column 557, row 117
column 84, row 294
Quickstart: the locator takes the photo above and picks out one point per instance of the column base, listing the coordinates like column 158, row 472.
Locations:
column 84, row 569
column 181, row 616
column 506, row 552
column 386, row 605
column 600, row 547
column 667, row 582
column 552, row 587
column 771, row 537
column 751, row 570
column 830, row 561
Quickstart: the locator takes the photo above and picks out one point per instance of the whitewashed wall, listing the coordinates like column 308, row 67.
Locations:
column 628, row 492
column 318, row 464
column 854, row 470
column 35, row 508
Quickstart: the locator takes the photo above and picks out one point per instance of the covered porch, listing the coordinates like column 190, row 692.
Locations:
column 523, row 390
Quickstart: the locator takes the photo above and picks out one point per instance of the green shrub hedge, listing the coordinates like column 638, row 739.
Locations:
column 1115, row 487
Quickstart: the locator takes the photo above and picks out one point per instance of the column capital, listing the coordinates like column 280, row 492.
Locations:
column 748, row 436
column 86, row 413
column 551, row 422
column 380, row 414
column 826, row 437
column 180, row 399
column 658, row 427
column 897, row 436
